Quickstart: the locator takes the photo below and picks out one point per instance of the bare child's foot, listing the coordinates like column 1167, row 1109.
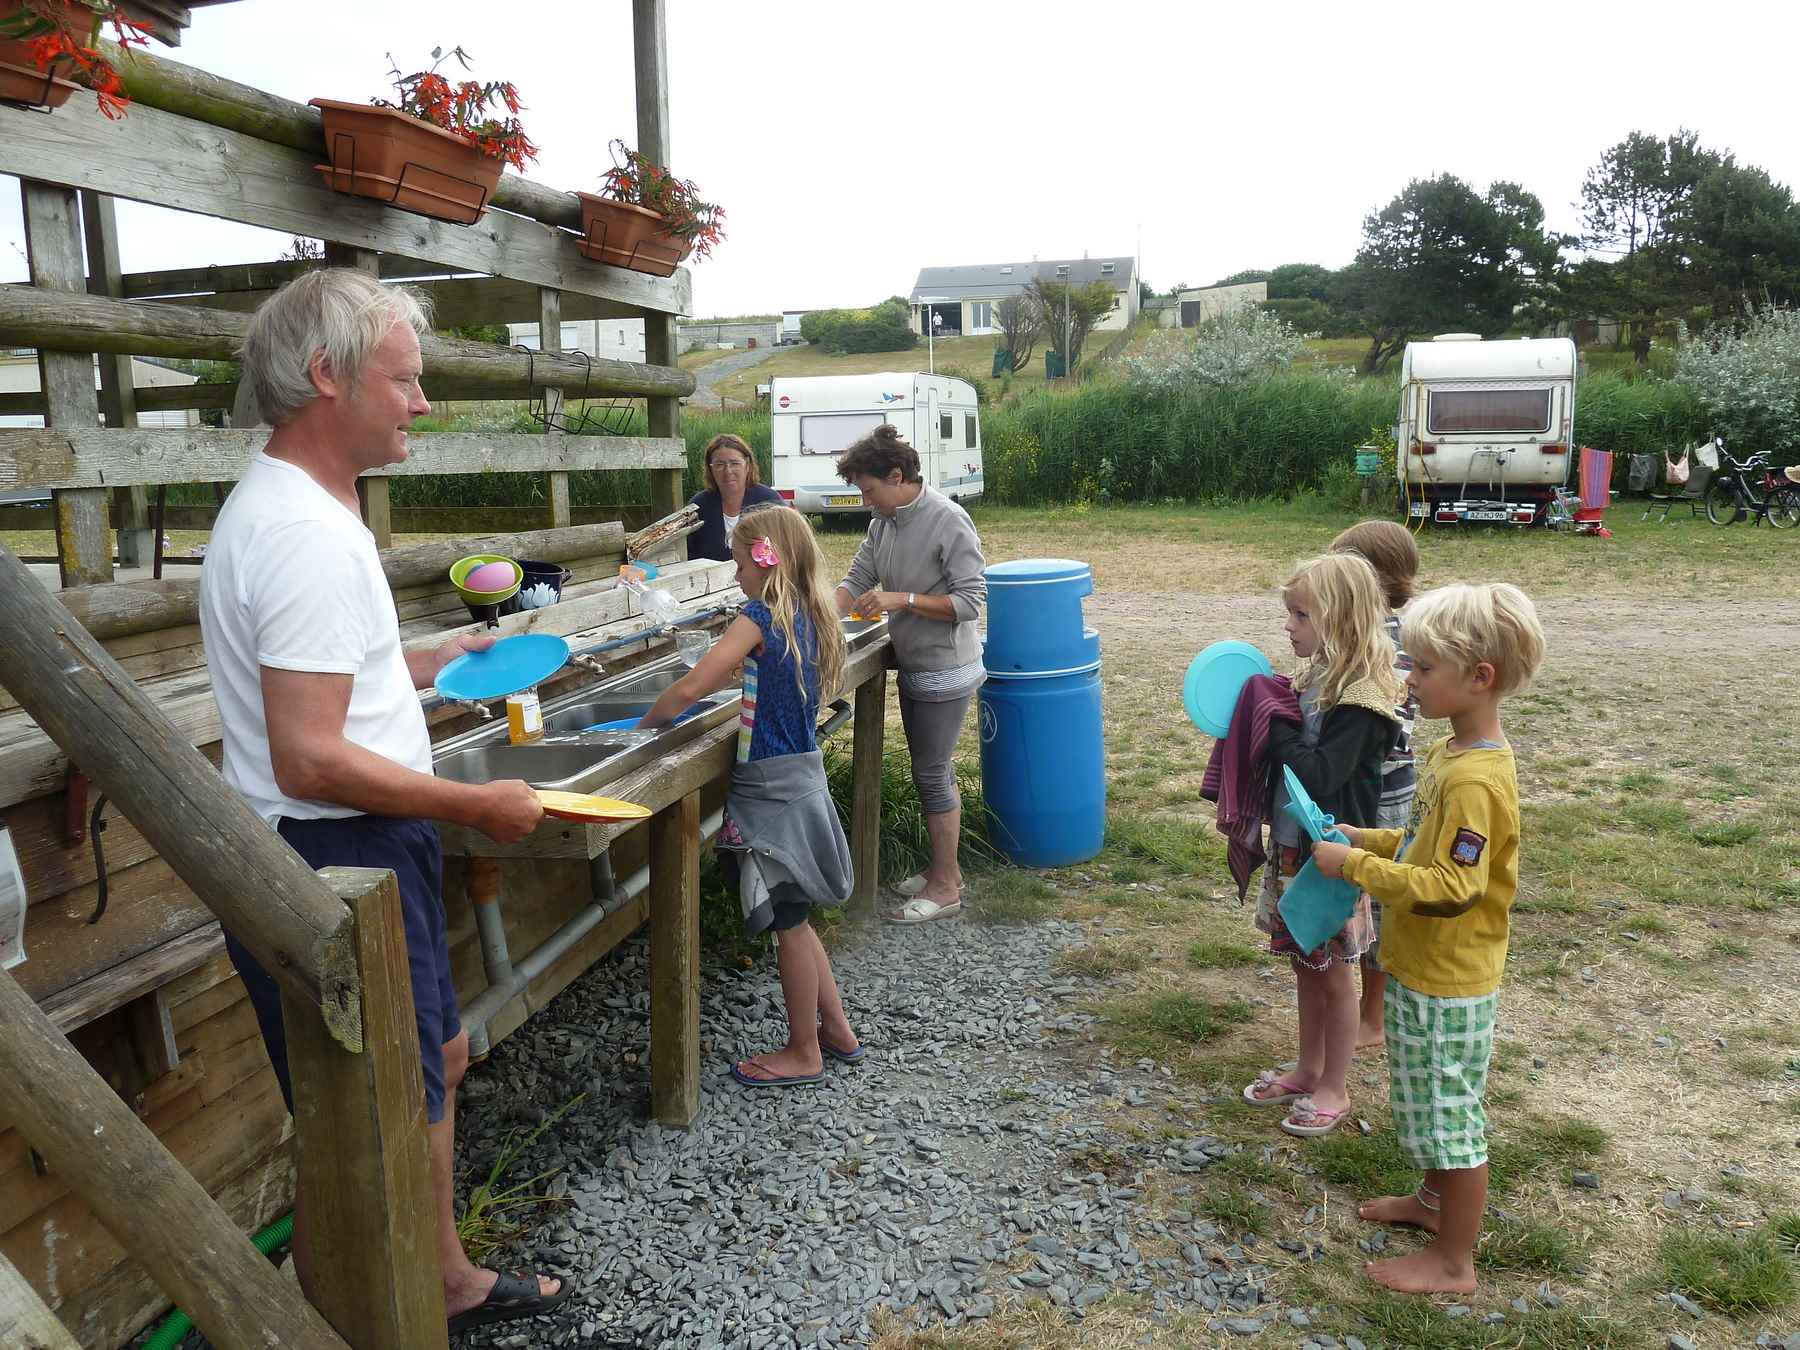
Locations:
column 1370, row 1037
column 1426, row 1271
column 1400, row 1209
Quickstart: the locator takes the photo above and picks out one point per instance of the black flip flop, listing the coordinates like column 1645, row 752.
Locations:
column 512, row 1297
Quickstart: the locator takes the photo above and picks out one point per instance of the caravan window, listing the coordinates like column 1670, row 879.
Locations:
column 1453, row 410
column 969, row 437
column 946, row 427
column 833, row 433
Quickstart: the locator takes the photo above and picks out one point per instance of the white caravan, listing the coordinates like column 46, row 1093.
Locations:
column 1487, row 429
column 815, row 418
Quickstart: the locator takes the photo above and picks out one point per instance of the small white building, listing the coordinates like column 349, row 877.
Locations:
column 19, row 375
column 1198, row 305
column 615, row 339
column 960, row 301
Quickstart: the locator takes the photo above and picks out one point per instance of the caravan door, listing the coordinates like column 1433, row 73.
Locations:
column 930, row 444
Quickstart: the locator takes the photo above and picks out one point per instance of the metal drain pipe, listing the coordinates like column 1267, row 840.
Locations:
column 610, row 896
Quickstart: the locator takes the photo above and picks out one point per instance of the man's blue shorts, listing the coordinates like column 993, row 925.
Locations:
column 410, row 850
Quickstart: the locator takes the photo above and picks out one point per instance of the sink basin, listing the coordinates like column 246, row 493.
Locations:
column 646, row 687
column 855, row 628
column 613, row 708
column 545, row 766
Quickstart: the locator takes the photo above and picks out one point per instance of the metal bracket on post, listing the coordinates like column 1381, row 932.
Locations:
column 75, row 808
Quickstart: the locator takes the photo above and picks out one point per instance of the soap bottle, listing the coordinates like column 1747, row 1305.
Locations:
column 524, row 719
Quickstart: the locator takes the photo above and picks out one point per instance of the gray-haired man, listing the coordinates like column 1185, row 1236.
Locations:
column 317, row 698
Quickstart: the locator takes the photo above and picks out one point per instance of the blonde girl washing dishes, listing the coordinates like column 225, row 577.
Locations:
column 781, row 843
column 921, row 565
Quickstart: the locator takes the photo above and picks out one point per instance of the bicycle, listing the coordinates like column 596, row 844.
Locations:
column 1732, row 494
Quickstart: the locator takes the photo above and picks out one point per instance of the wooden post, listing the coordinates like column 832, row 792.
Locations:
column 650, row 48
column 868, row 733
column 371, row 492
column 53, row 242
column 675, row 962
column 363, row 1156
column 25, row 1322
column 550, row 340
column 142, row 1196
column 258, row 887
column 118, row 391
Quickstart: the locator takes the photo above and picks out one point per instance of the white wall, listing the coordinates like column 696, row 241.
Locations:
column 614, row 339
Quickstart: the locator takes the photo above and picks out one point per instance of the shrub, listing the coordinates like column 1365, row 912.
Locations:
column 1747, row 377
column 1246, row 345
column 883, row 328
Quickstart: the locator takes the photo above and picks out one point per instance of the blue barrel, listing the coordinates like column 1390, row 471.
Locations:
column 1043, row 766
column 1034, row 617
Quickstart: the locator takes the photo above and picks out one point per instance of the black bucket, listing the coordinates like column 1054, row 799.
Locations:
column 553, row 575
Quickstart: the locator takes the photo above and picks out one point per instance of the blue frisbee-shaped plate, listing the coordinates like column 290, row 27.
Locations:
column 1214, row 680
column 630, row 723
column 511, row 664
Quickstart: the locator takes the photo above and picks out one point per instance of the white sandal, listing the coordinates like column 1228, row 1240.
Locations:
column 922, row 910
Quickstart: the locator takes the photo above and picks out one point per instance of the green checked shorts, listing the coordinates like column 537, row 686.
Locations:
column 1438, row 1051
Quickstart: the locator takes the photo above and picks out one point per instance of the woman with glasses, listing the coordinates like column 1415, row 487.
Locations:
column 731, row 489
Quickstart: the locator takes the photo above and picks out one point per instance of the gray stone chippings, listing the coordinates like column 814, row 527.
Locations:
column 939, row 1173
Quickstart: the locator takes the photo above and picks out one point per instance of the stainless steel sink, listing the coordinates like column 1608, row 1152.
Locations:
column 646, row 686
column 580, row 716
column 855, row 628
column 545, row 766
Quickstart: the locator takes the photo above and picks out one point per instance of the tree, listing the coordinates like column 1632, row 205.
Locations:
column 1146, row 293
column 1070, row 313
column 1242, row 278
column 1442, row 256
column 1637, row 184
column 1300, row 281
column 1020, row 322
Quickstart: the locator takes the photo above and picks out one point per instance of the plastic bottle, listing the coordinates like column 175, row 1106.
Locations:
column 524, row 719
column 661, row 608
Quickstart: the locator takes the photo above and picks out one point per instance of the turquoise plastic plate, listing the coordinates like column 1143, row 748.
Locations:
column 1214, row 680
column 629, row 723
column 511, row 664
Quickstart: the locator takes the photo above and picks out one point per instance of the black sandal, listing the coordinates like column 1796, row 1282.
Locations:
column 513, row 1296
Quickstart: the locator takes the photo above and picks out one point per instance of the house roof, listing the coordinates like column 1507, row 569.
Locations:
column 989, row 279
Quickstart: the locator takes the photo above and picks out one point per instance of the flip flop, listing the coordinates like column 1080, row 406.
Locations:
column 513, row 1296
column 774, row 1080
column 1269, row 1078
column 1308, row 1122
column 855, row 1056
column 921, row 910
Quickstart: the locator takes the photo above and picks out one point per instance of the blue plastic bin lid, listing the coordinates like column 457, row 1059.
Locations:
column 511, row 664
column 1214, row 679
column 1031, row 571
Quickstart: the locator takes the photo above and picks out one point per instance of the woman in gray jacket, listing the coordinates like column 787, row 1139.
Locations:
column 921, row 565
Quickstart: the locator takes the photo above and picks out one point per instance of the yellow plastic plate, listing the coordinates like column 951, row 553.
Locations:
column 588, row 809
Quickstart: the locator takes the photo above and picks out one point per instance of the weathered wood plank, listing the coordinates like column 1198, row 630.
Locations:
column 142, row 1195
column 92, row 998
column 675, row 962
column 25, row 1322
column 167, row 160
column 363, row 1155
column 549, row 319
column 101, row 458
column 139, row 758
column 118, row 396
column 456, row 302
column 869, row 731
column 30, row 317
column 53, row 247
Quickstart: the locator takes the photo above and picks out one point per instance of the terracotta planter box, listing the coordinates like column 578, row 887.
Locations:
column 628, row 236
column 20, row 79
column 383, row 154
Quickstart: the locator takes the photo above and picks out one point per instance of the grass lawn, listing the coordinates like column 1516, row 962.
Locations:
column 1650, row 1017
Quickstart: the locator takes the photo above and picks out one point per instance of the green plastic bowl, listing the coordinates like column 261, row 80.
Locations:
column 463, row 566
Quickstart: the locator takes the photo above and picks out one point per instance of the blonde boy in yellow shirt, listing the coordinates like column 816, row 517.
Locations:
column 1446, row 887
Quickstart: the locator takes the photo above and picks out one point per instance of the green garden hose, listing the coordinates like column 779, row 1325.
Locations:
column 177, row 1324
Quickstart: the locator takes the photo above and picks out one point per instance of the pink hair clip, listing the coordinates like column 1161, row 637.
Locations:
column 763, row 553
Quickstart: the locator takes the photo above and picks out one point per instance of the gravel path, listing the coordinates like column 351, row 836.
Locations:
column 708, row 375
column 951, row 1169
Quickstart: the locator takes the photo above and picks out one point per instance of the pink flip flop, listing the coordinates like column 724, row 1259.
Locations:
column 1270, row 1078
column 1308, row 1122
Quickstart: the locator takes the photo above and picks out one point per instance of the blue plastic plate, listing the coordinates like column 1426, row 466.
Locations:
column 511, row 664
column 1214, row 680
column 630, row 723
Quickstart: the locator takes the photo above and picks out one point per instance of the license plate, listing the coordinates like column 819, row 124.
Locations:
column 1418, row 508
column 1488, row 515
column 844, row 501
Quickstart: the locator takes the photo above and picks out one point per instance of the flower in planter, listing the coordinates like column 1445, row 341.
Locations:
column 463, row 108
column 69, row 32
column 641, row 182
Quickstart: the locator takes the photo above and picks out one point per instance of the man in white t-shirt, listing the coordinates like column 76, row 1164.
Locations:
column 318, row 701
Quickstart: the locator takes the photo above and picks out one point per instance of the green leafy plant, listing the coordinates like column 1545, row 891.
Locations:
column 493, row 1215
column 643, row 182
column 67, row 35
column 466, row 108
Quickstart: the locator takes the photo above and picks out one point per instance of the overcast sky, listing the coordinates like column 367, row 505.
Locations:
column 853, row 143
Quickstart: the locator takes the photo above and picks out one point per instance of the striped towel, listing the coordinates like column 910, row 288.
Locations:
column 1596, row 482
column 1237, row 772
